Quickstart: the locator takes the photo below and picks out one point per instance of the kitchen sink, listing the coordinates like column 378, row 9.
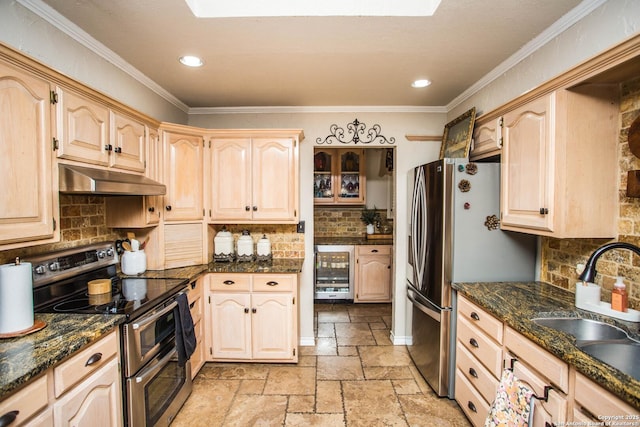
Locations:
column 621, row 355
column 584, row 329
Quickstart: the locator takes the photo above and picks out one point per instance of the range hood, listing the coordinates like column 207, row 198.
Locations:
column 81, row 180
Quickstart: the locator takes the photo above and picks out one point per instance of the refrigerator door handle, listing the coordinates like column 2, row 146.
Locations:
column 434, row 314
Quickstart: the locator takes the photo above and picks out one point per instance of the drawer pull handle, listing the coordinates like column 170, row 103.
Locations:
column 95, row 358
column 475, row 316
column 374, row 251
column 473, row 373
column 272, row 283
column 8, row 418
column 474, row 343
column 471, row 406
column 228, row 282
column 194, row 284
column 246, row 310
column 548, row 424
column 193, row 304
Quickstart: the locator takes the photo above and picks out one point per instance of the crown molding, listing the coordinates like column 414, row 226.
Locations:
column 78, row 34
column 318, row 109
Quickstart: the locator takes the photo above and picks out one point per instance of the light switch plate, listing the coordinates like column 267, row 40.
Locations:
column 300, row 227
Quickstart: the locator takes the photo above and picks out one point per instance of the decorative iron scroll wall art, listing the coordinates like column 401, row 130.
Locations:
column 354, row 130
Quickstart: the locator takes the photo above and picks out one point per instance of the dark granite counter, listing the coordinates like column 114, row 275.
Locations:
column 351, row 241
column 515, row 303
column 24, row 358
column 277, row 266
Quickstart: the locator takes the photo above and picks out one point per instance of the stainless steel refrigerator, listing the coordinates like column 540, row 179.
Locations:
column 454, row 236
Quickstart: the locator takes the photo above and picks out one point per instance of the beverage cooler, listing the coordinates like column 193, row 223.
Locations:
column 334, row 272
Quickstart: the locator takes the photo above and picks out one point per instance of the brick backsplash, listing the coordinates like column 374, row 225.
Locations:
column 341, row 221
column 560, row 256
column 285, row 241
column 82, row 222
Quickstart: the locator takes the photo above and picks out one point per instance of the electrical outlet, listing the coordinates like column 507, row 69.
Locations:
column 300, row 228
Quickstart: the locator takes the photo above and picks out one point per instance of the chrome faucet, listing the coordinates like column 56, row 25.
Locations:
column 589, row 272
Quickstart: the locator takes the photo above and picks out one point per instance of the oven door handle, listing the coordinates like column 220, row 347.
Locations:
column 155, row 367
column 152, row 318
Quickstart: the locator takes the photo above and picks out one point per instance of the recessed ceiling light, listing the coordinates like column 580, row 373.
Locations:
column 191, row 61
column 421, row 83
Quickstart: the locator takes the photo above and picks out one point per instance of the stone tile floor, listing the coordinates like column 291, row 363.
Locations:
column 353, row 376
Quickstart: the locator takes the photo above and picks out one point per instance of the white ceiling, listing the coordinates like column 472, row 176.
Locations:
column 317, row 61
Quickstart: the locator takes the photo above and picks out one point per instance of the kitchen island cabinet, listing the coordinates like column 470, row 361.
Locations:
column 254, row 177
column 29, row 209
column 252, row 317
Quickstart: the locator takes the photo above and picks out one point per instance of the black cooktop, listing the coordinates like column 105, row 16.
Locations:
column 130, row 296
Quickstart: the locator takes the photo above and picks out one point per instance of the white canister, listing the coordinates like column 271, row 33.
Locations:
column 223, row 242
column 245, row 244
column 263, row 247
column 16, row 297
column 133, row 262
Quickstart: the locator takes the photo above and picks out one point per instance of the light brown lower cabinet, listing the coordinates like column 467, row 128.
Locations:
column 252, row 317
column 373, row 273
column 196, row 307
column 74, row 393
column 485, row 346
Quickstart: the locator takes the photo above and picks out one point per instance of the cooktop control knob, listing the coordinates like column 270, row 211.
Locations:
column 110, row 252
column 101, row 254
column 53, row 266
column 40, row 269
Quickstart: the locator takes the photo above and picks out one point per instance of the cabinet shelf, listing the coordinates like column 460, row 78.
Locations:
column 339, row 177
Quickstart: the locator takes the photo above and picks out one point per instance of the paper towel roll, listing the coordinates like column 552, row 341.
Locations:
column 16, row 297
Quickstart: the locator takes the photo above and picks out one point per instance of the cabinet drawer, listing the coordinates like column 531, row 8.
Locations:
column 552, row 369
column 196, row 310
column 274, row 282
column 481, row 346
column 195, row 290
column 27, row 401
column 599, row 401
column 471, row 402
column 75, row 369
column 230, row 282
column 481, row 319
column 476, row 374
column 373, row 249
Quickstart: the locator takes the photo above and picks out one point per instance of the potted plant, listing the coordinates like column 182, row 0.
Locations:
column 370, row 217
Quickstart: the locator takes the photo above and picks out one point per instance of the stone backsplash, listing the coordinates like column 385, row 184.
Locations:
column 342, row 221
column 560, row 256
column 285, row 241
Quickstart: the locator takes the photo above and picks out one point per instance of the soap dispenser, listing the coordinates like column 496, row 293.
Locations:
column 619, row 297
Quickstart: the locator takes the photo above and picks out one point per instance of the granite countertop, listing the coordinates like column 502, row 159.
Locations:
column 515, row 303
column 351, row 241
column 276, row 266
column 24, row 358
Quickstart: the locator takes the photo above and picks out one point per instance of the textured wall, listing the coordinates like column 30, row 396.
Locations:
column 341, row 221
column 82, row 222
column 559, row 257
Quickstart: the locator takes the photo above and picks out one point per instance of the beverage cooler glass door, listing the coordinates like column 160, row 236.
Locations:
column 334, row 272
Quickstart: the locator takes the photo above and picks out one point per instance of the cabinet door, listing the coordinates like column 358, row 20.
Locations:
column 487, row 140
column 183, row 176
column 83, row 129
column 230, row 179
column 274, row 181
column 373, row 278
column 324, row 162
column 527, row 171
column 272, row 326
column 128, row 140
column 230, row 326
column 351, row 179
column 95, row 402
column 28, row 197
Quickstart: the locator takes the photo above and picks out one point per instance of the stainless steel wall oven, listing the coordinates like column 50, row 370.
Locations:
column 155, row 384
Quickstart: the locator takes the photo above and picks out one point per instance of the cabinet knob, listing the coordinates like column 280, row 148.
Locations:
column 253, row 310
column 168, row 207
column 255, row 208
column 118, row 150
column 474, row 343
column 152, row 209
column 247, row 208
column 108, row 147
column 246, row 310
column 544, row 211
column 95, row 358
column 475, row 316
column 8, row 418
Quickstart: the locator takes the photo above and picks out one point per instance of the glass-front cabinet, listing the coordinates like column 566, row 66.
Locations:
column 339, row 176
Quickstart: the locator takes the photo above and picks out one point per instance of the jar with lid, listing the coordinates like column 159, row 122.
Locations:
column 245, row 247
column 263, row 249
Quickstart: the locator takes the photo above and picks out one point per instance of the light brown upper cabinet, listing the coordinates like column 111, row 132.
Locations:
column 559, row 169
column 28, row 186
column 487, row 139
column 89, row 132
column 254, row 179
column 338, row 176
column 183, row 172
